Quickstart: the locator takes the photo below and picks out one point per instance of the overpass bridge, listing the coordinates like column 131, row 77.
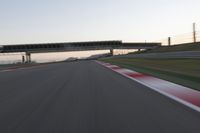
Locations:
column 73, row 46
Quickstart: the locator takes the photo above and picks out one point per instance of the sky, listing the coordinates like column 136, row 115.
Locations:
column 48, row 21
column 40, row 21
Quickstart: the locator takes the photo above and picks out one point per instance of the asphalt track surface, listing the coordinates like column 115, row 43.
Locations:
column 85, row 97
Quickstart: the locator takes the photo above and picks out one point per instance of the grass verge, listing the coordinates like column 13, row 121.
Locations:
column 185, row 72
column 174, row 48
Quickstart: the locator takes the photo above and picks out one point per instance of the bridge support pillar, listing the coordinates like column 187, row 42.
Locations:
column 111, row 51
column 23, row 59
column 28, row 57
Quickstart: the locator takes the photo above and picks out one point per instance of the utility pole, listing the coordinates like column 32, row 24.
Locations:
column 169, row 41
column 194, row 32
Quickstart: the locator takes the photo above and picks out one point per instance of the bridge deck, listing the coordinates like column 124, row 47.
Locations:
column 75, row 46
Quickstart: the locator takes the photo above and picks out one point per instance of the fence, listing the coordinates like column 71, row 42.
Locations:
column 183, row 38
